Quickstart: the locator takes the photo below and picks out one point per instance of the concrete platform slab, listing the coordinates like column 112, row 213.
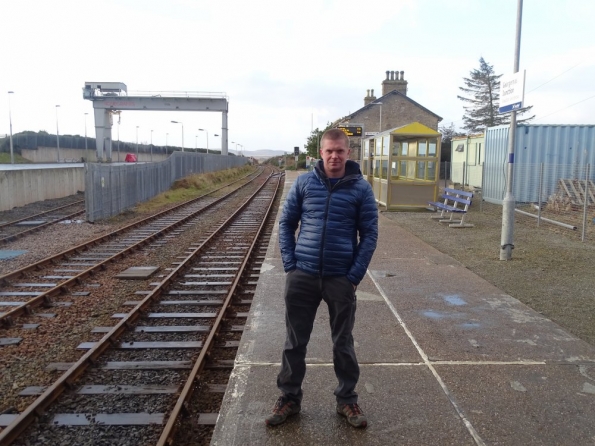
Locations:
column 526, row 405
column 404, row 406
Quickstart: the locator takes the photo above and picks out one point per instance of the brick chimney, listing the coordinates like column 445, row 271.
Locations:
column 394, row 82
column 369, row 97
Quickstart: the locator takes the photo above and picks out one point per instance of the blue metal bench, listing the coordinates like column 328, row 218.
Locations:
column 456, row 202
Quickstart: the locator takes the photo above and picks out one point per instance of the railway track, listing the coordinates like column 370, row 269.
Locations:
column 21, row 227
column 40, row 284
column 135, row 383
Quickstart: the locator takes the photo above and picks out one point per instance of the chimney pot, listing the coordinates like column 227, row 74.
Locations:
column 368, row 93
column 387, row 73
column 402, row 75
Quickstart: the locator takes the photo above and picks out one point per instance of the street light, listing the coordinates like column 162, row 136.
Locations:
column 196, row 143
column 237, row 144
column 118, row 138
column 57, row 133
column 380, row 122
column 136, row 144
column 207, row 132
column 10, row 120
column 177, row 122
column 216, row 135
column 151, row 145
column 86, row 159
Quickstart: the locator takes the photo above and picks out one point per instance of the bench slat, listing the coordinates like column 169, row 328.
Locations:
column 459, row 192
column 457, row 199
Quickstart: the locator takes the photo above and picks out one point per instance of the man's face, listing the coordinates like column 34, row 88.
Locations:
column 334, row 154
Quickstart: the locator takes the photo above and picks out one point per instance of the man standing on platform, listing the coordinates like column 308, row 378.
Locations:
column 337, row 215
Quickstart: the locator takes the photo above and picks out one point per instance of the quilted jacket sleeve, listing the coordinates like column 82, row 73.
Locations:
column 367, row 227
column 288, row 224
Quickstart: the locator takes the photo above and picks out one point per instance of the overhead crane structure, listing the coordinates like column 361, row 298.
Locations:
column 110, row 98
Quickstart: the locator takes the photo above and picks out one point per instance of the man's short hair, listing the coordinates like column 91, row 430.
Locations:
column 334, row 135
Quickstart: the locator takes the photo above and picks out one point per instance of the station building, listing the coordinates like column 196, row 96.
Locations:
column 399, row 151
column 391, row 110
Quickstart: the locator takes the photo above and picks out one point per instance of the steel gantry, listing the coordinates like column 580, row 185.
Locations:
column 112, row 97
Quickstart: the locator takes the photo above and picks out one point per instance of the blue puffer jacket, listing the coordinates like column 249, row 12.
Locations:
column 330, row 221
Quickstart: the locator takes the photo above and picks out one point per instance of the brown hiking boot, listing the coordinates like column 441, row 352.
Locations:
column 283, row 408
column 353, row 413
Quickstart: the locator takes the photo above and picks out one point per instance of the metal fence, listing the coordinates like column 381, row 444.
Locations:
column 556, row 194
column 111, row 189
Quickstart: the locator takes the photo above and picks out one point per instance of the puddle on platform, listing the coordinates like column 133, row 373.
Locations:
column 454, row 300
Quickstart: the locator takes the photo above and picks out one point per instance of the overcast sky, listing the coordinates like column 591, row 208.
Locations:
column 285, row 65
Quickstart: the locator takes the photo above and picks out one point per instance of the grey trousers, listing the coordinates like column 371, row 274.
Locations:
column 303, row 293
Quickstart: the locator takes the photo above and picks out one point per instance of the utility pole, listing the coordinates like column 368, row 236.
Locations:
column 508, row 204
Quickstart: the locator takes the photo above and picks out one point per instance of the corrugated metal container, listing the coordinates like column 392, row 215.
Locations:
column 565, row 150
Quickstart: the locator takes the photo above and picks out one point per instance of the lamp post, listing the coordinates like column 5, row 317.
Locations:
column 216, row 135
column 151, row 145
column 207, row 132
column 118, row 139
column 10, row 121
column 178, row 122
column 86, row 159
column 380, row 121
column 236, row 146
column 196, row 143
column 57, row 133
column 136, row 144
column 166, row 136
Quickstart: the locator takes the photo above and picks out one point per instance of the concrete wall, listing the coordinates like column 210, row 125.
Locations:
column 50, row 155
column 21, row 187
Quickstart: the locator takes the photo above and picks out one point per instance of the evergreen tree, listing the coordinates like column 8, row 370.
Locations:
column 484, row 88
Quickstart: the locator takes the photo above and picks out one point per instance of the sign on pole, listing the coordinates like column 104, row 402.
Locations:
column 512, row 92
column 351, row 130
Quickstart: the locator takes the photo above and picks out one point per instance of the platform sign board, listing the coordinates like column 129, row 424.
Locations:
column 355, row 130
column 512, row 92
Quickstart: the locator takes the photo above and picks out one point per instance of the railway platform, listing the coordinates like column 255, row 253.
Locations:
column 446, row 358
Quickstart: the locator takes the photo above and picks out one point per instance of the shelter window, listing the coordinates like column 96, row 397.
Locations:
column 396, row 147
column 432, row 145
column 460, row 148
column 421, row 170
column 385, row 147
column 378, row 146
column 404, row 148
column 403, row 169
column 422, row 148
column 377, row 168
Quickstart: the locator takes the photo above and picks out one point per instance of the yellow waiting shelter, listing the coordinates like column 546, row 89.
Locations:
column 403, row 166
